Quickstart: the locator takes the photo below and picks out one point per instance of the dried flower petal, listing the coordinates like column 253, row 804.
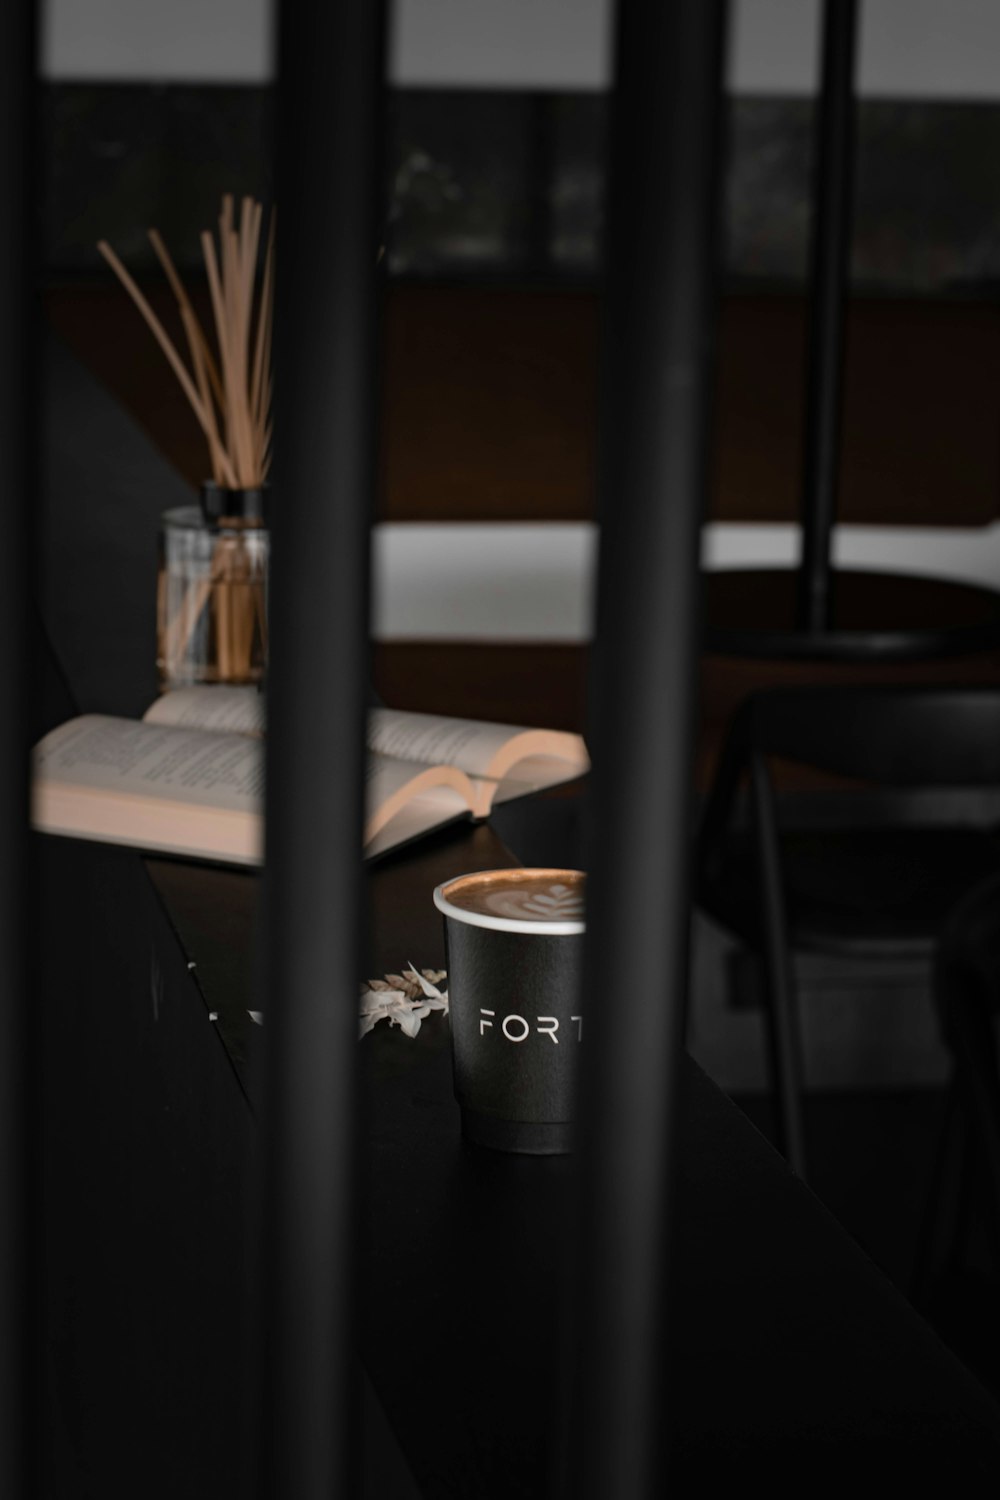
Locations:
column 404, row 1000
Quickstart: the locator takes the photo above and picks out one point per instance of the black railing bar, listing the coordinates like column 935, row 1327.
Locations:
column 329, row 181
column 19, row 1238
column 656, row 372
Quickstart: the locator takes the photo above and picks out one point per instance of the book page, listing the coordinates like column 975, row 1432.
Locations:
column 224, row 709
column 431, row 809
column 391, row 785
column 475, row 747
column 193, row 792
column 191, row 766
column 533, row 773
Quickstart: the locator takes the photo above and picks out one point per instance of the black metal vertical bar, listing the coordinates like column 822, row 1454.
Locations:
column 657, row 377
column 829, row 274
column 17, row 404
column 329, row 185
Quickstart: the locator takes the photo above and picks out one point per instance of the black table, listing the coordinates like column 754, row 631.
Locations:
column 795, row 1360
column 793, row 1351
column 875, row 617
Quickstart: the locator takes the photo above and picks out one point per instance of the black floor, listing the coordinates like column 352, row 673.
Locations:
column 872, row 1159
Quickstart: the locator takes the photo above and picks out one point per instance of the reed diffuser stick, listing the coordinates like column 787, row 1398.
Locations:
column 164, row 340
column 228, row 384
column 216, row 451
column 260, row 385
column 184, row 304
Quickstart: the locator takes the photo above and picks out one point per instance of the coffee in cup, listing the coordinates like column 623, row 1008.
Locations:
column 515, row 940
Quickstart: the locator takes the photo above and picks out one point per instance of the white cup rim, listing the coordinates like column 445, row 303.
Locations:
column 506, row 924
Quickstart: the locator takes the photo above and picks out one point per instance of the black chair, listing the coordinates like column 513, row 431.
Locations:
column 875, row 882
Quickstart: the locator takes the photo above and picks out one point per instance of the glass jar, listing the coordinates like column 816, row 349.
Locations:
column 212, row 590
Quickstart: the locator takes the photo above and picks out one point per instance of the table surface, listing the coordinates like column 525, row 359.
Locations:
column 789, row 1349
column 875, row 617
column 789, row 1344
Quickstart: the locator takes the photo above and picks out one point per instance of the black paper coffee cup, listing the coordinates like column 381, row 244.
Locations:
column 514, row 941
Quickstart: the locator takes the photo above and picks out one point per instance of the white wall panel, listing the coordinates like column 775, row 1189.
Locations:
column 200, row 41
column 512, row 582
column 502, row 43
column 910, row 48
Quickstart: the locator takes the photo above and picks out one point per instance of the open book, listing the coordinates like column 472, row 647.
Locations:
column 188, row 778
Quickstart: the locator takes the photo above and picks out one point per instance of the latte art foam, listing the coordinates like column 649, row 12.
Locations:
column 520, row 895
column 553, row 903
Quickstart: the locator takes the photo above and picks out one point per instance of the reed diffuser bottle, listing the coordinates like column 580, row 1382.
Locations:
column 213, row 564
column 212, row 590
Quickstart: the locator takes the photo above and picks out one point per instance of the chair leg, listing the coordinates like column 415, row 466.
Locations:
column 784, row 1037
column 785, row 1055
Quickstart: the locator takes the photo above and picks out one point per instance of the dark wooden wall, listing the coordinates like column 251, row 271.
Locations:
column 490, row 399
column 489, row 413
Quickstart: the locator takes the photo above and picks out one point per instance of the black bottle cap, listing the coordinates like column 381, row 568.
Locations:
column 248, row 507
